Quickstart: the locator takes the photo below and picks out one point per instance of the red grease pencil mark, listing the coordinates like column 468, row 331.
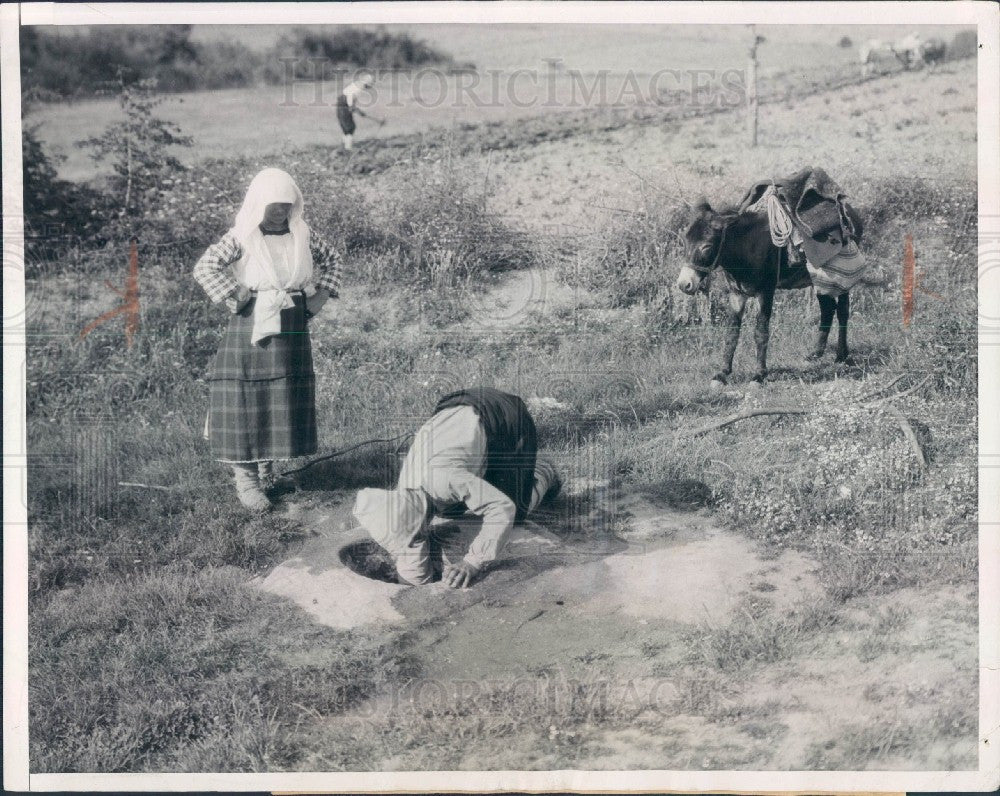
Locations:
column 130, row 309
column 909, row 279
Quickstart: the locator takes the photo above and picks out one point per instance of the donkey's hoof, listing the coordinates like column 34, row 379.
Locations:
column 717, row 384
column 814, row 356
column 846, row 359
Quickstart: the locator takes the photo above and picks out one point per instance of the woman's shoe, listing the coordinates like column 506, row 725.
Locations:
column 248, row 489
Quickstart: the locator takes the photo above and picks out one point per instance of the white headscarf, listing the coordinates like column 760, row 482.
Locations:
column 268, row 187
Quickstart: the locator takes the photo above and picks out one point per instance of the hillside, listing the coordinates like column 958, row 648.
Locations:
column 270, row 120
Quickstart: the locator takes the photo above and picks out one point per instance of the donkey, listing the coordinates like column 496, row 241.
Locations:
column 739, row 243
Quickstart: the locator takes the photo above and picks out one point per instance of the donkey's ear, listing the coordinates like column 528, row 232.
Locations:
column 701, row 203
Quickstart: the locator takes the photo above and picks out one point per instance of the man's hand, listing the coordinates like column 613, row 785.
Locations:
column 315, row 302
column 459, row 575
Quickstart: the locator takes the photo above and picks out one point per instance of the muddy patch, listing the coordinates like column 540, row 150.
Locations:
column 669, row 566
column 317, row 579
column 336, row 596
column 697, row 580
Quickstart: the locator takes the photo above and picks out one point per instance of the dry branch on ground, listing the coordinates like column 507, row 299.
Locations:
column 904, row 424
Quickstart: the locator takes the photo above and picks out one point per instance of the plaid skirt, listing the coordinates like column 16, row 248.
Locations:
column 262, row 399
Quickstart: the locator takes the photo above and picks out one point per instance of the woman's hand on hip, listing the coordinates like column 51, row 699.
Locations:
column 239, row 299
column 315, row 302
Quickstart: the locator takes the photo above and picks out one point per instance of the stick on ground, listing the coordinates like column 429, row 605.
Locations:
column 904, row 424
column 728, row 421
column 910, row 435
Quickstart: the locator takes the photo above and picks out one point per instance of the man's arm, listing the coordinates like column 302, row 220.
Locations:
column 497, row 510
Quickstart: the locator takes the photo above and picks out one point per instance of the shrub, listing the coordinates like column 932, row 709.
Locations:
column 631, row 258
column 964, row 45
column 55, row 63
column 441, row 231
column 351, row 47
column 941, row 217
column 914, row 198
column 845, row 42
column 57, row 213
column 87, row 61
column 139, row 150
column 220, row 64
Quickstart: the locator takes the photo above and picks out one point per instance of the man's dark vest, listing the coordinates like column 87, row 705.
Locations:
column 511, row 441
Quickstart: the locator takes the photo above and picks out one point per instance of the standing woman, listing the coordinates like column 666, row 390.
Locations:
column 273, row 276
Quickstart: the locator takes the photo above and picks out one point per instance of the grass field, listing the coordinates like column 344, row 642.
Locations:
column 838, row 577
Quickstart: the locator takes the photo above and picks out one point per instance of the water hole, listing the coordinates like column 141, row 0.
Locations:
column 369, row 559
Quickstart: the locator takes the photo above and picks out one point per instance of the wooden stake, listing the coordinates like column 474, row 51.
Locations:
column 752, row 105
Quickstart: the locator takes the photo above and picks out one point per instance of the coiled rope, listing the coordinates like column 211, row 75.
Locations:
column 777, row 217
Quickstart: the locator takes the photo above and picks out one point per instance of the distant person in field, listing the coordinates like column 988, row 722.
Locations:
column 273, row 275
column 477, row 453
column 347, row 106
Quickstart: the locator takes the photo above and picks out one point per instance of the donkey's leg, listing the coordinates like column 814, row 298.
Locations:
column 843, row 313
column 827, row 307
column 762, row 333
column 737, row 303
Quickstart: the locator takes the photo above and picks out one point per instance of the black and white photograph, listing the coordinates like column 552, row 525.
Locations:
column 515, row 396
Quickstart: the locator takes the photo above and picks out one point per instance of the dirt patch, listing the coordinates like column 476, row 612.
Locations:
column 549, row 599
column 317, row 580
column 697, row 580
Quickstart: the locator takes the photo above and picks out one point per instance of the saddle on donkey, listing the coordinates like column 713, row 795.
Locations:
column 808, row 213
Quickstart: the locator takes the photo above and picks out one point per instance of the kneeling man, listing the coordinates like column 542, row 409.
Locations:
column 478, row 452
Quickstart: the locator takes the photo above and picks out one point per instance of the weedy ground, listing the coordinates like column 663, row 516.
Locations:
column 150, row 651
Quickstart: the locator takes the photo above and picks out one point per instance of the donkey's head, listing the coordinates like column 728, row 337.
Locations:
column 703, row 243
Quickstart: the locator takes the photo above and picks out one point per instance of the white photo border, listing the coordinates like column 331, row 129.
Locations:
column 985, row 16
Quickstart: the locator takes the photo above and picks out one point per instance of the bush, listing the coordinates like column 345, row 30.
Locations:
column 440, row 230
column 352, row 47
column 334, row 209
column 629, row 259
column 845, row 42
column 904, row 197
column 634, row 260
column 221, row 64
column 88, row 61
column 57, row 213
column 964, row 45
column 139, row 150
column 55, row 63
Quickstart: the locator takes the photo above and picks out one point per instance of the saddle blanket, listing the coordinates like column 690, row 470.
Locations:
column 834, row 266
